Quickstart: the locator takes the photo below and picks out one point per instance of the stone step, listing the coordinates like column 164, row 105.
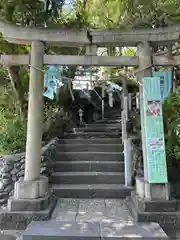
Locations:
column 89, row 147
column 103, row 166
column 91, row 190
column 108, row 121
column 45, row 230
column 93, row 134
column 7, row 237
column 113, row 110
column 90, row 156
column 97, row 129
column 87, row 178
column 104, row 125
column 91, row 141
column 112, row 115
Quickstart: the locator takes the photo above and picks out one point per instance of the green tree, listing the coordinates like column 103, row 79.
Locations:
column 32, row 13
column 133, row 14
column 28, row 13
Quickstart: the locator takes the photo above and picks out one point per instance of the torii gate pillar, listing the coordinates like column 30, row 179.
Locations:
column 35, row 113
column 34, row 186
column 145, row 70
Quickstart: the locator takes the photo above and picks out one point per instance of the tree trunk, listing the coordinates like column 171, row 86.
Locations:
column 111, row 51
column 16, row 84
column 84, row 4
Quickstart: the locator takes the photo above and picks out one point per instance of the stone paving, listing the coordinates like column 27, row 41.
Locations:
column 89, row 210
column 10, row 234
column 93, row 219
column 92, row 210
column 104, row 211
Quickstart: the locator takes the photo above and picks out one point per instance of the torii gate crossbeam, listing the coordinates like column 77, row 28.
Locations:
column 72, row 38
column 109, row 61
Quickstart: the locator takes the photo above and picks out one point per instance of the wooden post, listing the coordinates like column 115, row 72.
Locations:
column 137, row 101
column 124, row 110
column 125, row 140
column 110, row 94
column 102, row 102
column 81, row 116
column 130, row 101
column 125, row 98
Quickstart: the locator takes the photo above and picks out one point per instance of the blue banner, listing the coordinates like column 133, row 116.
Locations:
column 53, row 81
column 165, row 82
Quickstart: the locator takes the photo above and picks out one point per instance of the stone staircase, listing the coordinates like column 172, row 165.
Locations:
column 112, row 113
column 89, row 181
column 90, row 163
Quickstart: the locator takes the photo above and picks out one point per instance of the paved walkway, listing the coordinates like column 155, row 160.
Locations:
column 96, row 210
column 88, row 210
column 10, row 234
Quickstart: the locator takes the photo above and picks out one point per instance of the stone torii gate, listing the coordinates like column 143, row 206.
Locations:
column 33, row 186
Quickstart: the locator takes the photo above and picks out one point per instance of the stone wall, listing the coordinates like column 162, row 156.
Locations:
column 137, row 155
column 12, row 169
column 134, row 122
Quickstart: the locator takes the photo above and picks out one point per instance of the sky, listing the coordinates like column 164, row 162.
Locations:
column 69, row 2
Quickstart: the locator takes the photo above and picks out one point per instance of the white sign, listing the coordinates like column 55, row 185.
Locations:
column 156, row 144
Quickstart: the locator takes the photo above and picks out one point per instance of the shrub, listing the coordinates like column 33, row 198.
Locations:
column 171, row 109
column 12, row 133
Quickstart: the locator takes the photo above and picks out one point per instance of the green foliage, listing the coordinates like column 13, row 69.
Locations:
column 121, row 14
column 30, row 12
column 64, row 98
column 171, row 109
column 3, row 76
column 12, row 126
column 7, row 99
column 50, row 111
column 129, row 52
column 12, row 133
